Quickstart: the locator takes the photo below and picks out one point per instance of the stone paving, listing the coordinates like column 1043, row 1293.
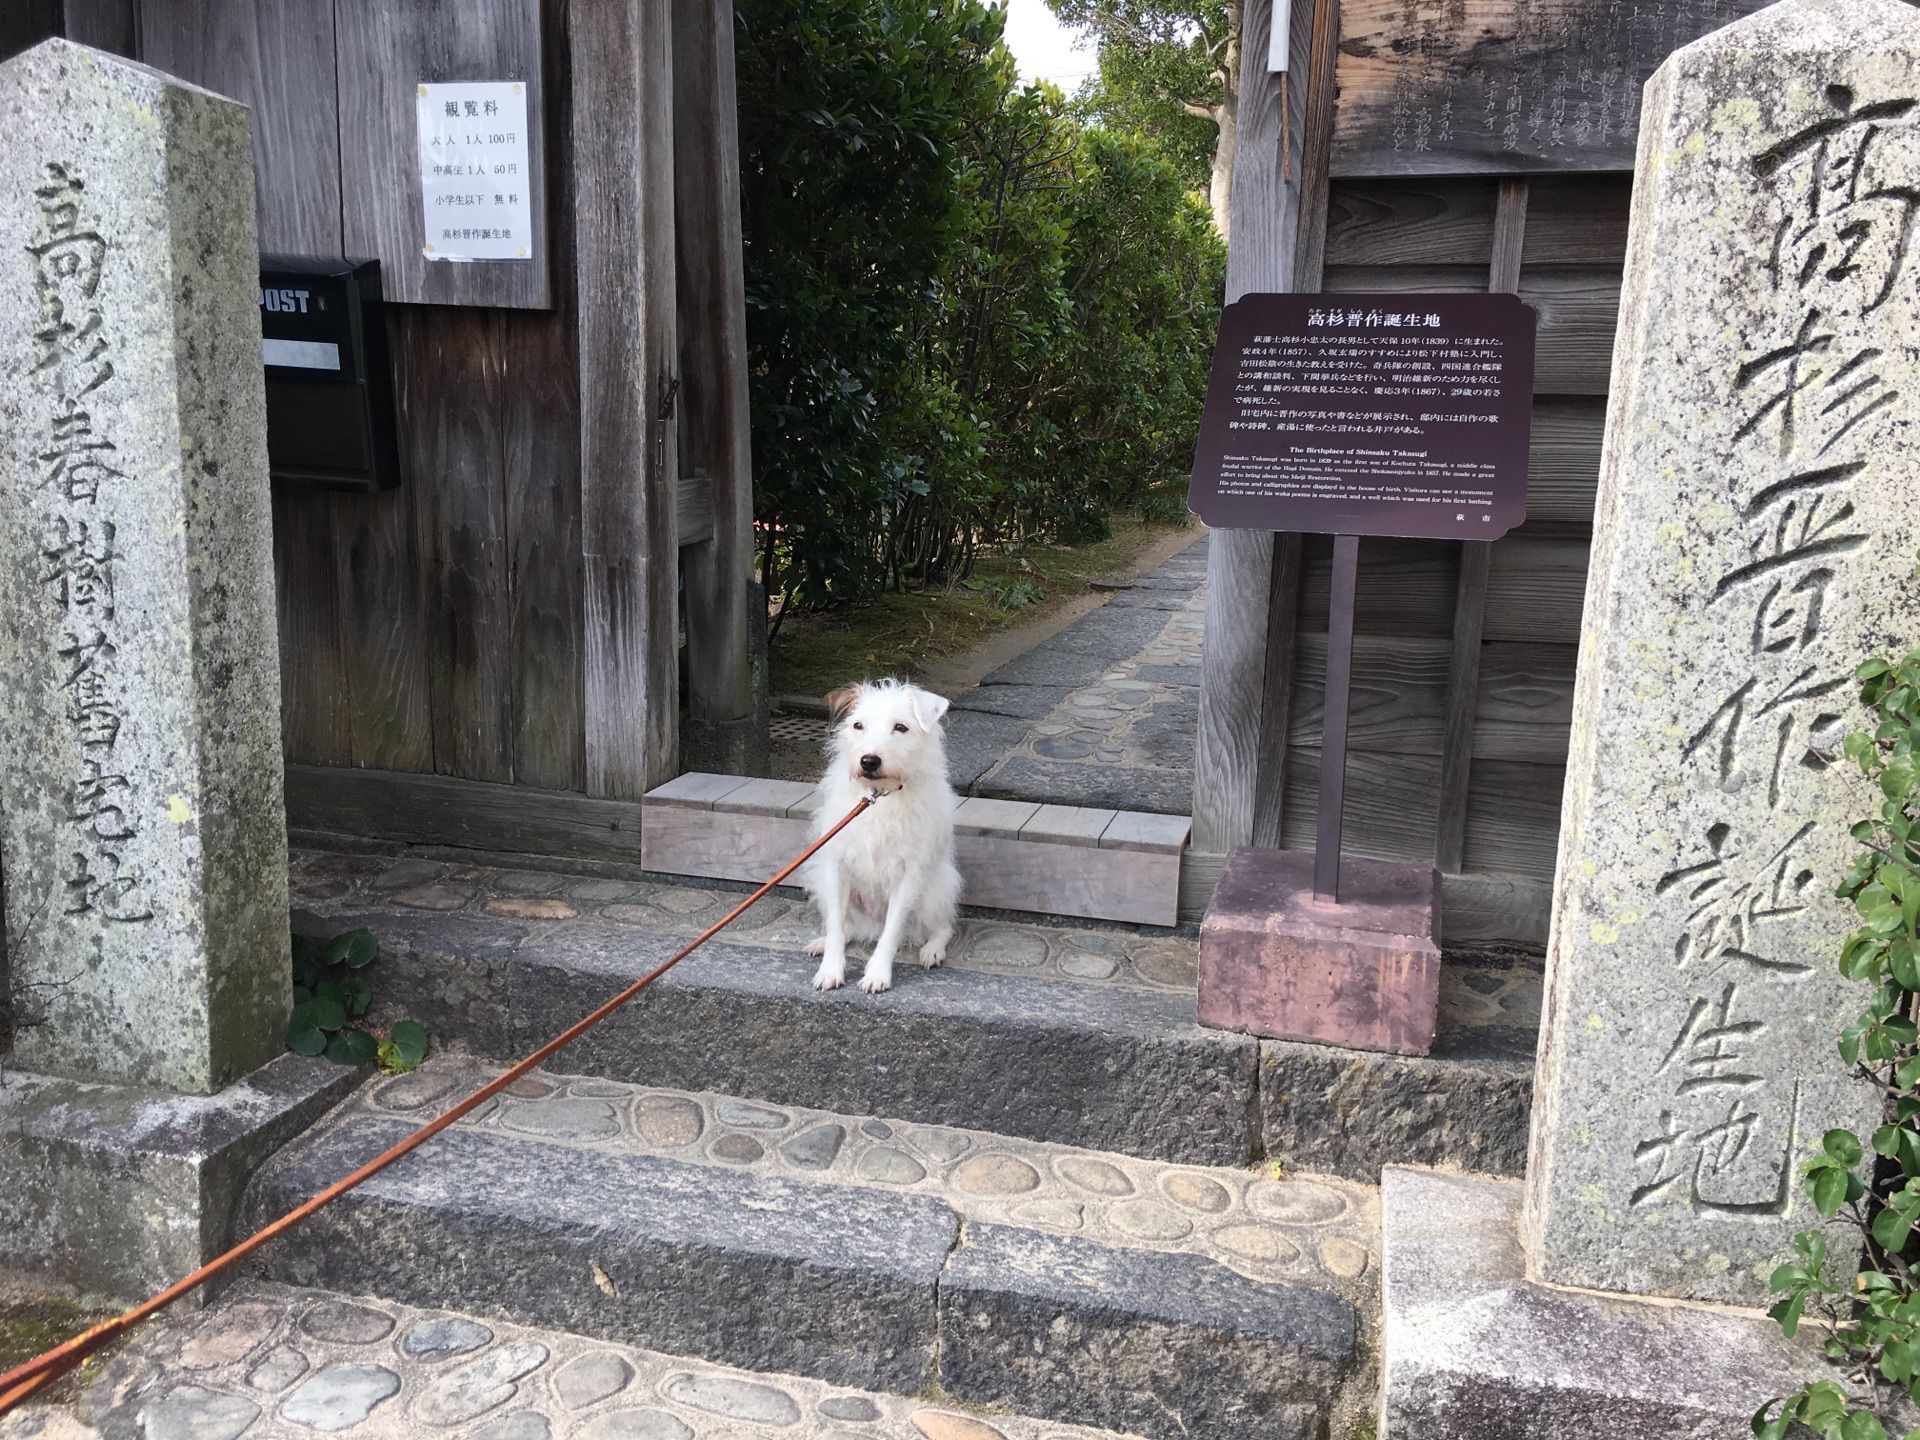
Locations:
column 1103, row 713
column 1314, row 1231
column 269, row 1362
column 1476, row 992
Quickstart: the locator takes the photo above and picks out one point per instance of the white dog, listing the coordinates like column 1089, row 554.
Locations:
column 892, row 870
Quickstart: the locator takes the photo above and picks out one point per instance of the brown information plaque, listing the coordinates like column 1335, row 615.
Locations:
column 1368, row 415
column 1452, row 87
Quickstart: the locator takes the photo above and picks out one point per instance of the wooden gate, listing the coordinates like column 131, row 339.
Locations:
column 1468, row 145
column 489, row 655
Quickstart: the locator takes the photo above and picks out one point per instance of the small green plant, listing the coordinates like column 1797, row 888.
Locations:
column 1871, row 1319
column 1012, row 592
column 331, row 995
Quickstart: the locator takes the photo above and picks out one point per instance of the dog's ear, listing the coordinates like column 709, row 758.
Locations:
column 840, row 701
column 927, row 707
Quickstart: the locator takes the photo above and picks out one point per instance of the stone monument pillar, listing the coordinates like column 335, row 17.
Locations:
column 141, row 818
column 141, row 810
column 1754, row 541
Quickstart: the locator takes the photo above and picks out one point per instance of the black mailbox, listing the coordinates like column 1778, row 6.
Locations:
column 323, row 338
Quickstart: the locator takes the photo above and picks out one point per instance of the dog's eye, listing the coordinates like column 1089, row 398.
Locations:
column 858, row 726
column 899, row 729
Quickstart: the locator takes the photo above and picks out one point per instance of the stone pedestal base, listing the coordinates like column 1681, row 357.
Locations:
column 116, row 1192
column 1474, row 1350
column 1363, row 972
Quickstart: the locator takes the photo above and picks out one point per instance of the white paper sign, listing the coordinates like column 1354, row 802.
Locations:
column 1280, row 37
column 476, row 186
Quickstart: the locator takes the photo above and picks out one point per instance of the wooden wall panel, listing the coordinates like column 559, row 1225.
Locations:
column 1411, row 222
column 386, row 49
column 437, row 627
column 542, row 436
column 1579, row 310
column 277, row 57
column 1537, row 588
column 1404, row 234
column 1405, row 587
column 1578, row 220
column 450, row 413
column 1563, row 471
column 383, row 637
column 1422, row 220
column 103, row 24
column 25, row 23
column 1392, row 810
column 1524, row 712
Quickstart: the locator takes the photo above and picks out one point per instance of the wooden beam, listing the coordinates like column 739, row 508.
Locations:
column 693, row 525
column 473, row 814
column 726, row 721
column 1279, row 230
column 1470, row 597
column 1315, row 108
column 622, row 56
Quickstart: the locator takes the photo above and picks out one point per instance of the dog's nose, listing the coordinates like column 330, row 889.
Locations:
column 870, row 764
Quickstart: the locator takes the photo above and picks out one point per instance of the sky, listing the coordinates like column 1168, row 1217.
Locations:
column 1044, row 48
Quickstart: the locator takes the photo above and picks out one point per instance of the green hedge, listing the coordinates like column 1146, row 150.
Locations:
column 972, row 320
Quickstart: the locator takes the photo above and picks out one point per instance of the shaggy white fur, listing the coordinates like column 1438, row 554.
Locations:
column 891, row 872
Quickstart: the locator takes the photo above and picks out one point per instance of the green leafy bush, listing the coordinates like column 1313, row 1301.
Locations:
column 1870, row 1319
column 972, row 320
column 332, row 994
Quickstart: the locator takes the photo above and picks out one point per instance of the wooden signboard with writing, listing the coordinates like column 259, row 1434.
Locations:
column 392, row 60
column 1455, row 87
column 1399, row 415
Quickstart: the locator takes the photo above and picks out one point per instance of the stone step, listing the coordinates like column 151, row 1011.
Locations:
column 276, row 1362
column 1097, row 864
column 1079, row 1034
column 1095, row 1288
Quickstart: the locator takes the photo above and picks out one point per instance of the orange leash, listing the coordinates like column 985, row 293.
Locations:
column 25, row 1381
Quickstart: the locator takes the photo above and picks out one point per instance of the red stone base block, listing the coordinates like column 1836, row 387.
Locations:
column 1363, row 973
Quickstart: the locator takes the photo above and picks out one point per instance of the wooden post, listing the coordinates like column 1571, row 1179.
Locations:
column 1279, row 225
column 1470, row 595
column 623, row 209
column 726, row 721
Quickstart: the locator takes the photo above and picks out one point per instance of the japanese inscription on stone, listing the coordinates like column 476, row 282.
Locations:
column 1457, row 86
column 141, row 789
column 1368, row 415
column 1754, row 537
column 73, row 364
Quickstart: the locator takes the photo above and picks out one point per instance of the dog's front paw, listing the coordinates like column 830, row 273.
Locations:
column 874, row 981
column 830, row 977
column 932, row 954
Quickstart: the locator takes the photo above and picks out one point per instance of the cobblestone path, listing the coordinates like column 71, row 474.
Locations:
column 1101, row 714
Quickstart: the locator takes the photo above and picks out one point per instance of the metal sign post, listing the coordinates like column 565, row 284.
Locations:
column 1334, row 710
column 1350, row 415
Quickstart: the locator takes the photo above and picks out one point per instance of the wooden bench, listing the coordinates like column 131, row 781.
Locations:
column 1013, row 854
